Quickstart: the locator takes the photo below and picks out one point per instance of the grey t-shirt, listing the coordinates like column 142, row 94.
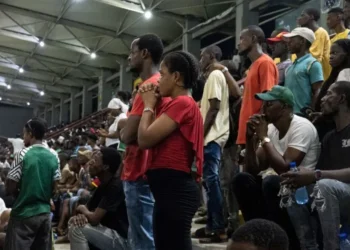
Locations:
column 282, row 66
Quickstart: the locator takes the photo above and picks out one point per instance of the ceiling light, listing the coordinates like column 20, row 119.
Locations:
column 28, row 103
column 0, row 98
column 21, row 70
column 8, row 86
column 42, row 93
column 148, row 14
column 93, row 55
column 41, row 43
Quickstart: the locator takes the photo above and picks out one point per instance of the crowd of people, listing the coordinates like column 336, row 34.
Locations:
column 206, row 137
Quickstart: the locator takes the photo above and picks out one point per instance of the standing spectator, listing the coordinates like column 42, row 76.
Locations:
column 17, row 143
column 215, row 112
column 32, row 180
column 103, row 222
column 304, row 78
column 280, row 50
column 262, row 75
column 117, row 112
column 347, row 13
column 145, row 55
column 336, row 22
column 320, row 48
column 178, row 126
column 332, row 174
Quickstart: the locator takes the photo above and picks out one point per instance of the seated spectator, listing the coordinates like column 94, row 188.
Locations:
column 280, row 50
column 68, row 177
column 304, row 77
column 288, row 138
column 259, row 234
column 103, row 221
column 92, row 141
column 340, row 62
column 332, row 191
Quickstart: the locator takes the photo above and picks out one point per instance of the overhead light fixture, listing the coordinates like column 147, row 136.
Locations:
column 0, row 98
column 148, row 14
column 21, row 70
column 41, row 43
column 42, row 93
column 93, row 55
column 28, row 103
column 8, row 86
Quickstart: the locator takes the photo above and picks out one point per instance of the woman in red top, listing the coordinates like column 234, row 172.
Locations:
column 175, row 137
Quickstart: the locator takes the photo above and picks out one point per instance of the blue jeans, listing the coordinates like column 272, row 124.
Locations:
column 139, row 203
column 212, row 158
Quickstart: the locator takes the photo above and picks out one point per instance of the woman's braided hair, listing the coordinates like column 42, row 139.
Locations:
column 184, row 63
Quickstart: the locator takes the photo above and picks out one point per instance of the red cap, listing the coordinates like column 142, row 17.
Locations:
column 277, row 38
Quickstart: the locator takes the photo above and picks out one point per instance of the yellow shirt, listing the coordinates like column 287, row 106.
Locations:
column 216, row 87
column 341, row 35
column 320, row 49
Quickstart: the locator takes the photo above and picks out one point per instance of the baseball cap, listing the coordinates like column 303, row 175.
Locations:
column 306, row 33
column 278, row 38
column 116, row 103
column 277, row 93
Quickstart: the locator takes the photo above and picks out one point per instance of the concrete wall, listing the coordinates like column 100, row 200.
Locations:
column 13, row 119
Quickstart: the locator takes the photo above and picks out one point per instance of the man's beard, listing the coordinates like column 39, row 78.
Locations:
column 245, row 52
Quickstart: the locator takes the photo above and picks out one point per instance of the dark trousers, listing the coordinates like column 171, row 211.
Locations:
column 33, row 233
column 176, row 197
column 259, row 198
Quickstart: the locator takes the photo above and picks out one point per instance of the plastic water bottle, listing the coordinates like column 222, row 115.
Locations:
column 301, row 194
column 344, row 242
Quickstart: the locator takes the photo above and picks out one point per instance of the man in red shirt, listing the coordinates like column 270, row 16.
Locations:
column 145, row 55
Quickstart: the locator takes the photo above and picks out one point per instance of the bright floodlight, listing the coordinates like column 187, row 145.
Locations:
column 93, row 55
column 21, row 70
column 148, row 14
column 41, row 43
column 28, row 103
column 8, row 86
column 0, row 98
column 42, row 93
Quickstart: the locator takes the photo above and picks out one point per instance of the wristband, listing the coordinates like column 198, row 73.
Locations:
column 148, row 110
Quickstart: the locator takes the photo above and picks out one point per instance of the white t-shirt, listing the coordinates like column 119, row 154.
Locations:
column 301, row 135
column 344, row 75
column 17, row 144
column 113, row 128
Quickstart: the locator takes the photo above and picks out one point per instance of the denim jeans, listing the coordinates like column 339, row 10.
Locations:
column 336, row 196
column 139, row 203
column 212, row 158
column 99, row 236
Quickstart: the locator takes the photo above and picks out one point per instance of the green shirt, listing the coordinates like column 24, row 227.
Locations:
column 35, row 169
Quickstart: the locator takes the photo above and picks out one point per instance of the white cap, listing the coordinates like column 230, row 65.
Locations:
column 306, row 33
column 116, row 103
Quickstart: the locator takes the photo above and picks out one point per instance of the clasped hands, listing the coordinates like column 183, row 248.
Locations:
column 257, row 125
column 150, row 94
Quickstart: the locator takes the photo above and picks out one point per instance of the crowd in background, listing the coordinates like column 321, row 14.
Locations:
column 201, row 136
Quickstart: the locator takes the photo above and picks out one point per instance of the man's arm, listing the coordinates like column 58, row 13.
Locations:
column 316, row 87
column 211, row 115
column 128, row 134
column 316, row 79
